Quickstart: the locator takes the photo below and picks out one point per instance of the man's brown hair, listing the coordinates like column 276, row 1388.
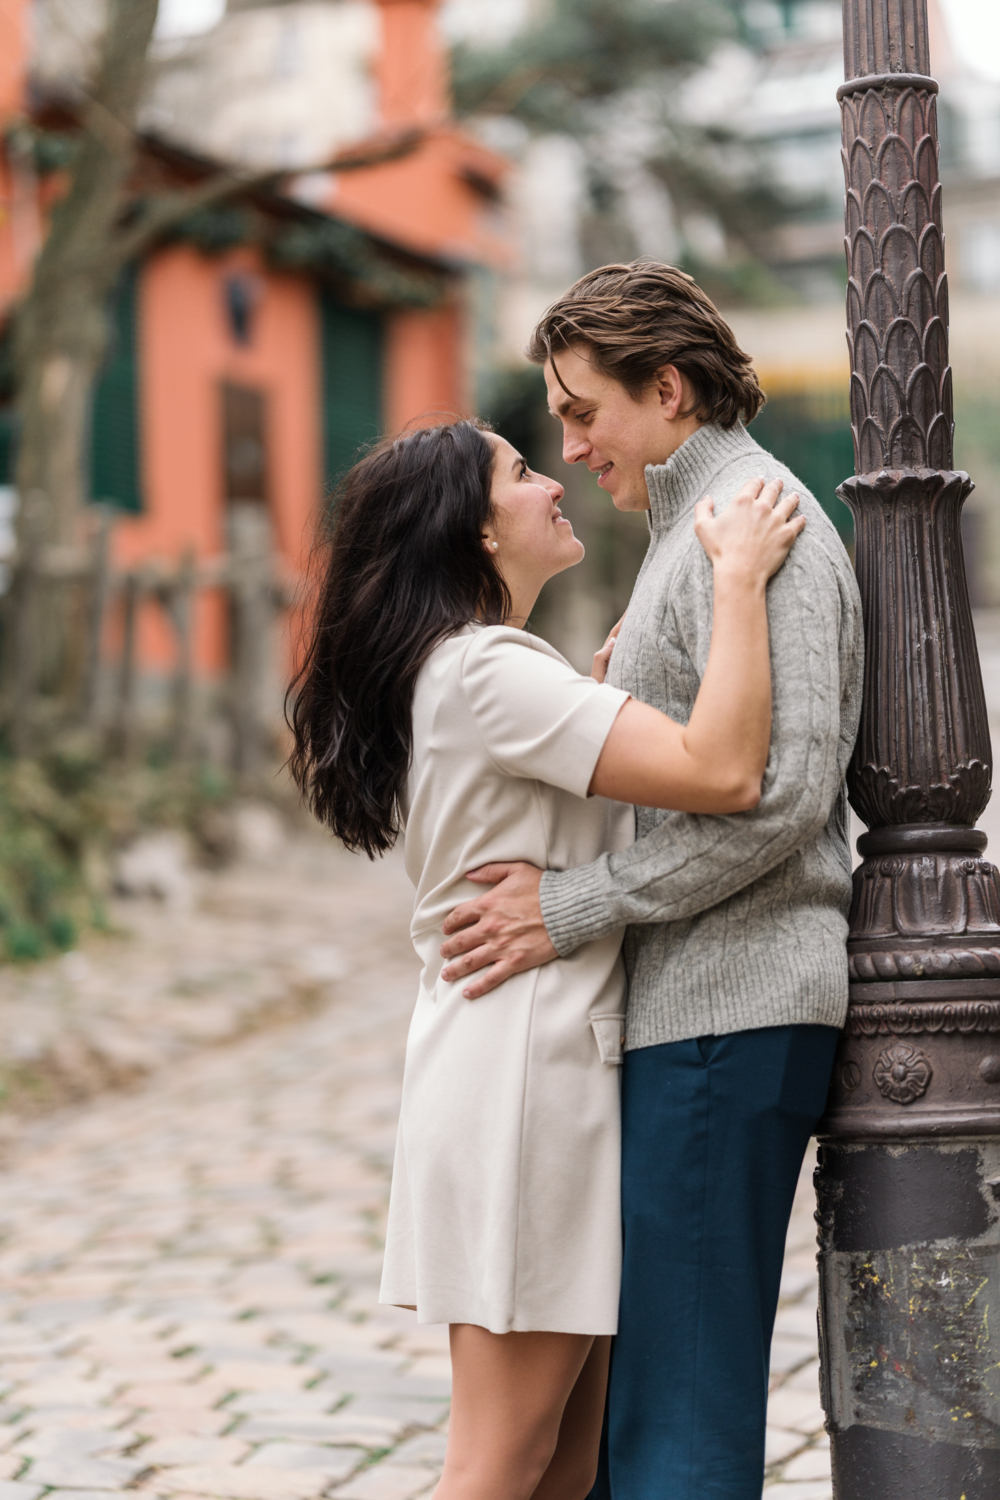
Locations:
column 635, row 319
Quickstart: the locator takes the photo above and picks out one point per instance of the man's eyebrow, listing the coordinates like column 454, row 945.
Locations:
column 563, row 405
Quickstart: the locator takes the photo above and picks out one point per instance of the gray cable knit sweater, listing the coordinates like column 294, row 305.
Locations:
column 735, row 922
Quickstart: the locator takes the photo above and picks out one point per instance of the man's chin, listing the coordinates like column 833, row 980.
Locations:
column 628, row 500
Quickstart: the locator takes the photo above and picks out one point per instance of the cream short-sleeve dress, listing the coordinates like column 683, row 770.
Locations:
column 504, row 1209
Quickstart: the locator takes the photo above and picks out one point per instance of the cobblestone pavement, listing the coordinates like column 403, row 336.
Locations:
column 189, row 1272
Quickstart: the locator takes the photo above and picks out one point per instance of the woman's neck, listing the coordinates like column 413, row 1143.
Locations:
column 522, row 601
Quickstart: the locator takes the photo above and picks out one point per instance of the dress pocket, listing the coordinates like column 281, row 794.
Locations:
column 610, row 1034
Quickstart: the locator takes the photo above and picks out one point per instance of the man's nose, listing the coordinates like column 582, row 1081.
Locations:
column 574, row 448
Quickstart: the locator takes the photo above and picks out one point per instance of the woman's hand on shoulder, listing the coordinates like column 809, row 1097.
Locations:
column 602, row 658
column 754, row 534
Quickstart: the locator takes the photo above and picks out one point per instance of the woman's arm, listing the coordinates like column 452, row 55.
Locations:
column 714, row 763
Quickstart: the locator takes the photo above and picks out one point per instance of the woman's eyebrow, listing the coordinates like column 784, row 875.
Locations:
column 518, row 461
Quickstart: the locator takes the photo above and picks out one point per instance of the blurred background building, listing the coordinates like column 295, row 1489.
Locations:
column 267, row 338
column 523, row 142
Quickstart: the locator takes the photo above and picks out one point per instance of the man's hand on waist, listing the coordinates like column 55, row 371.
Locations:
column 500, row 932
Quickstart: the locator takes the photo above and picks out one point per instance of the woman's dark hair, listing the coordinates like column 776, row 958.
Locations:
column 406, row 567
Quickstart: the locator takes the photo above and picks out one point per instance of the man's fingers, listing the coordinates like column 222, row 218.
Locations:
column 462, row 916
column 489, row 874
column 468, row 963
column 463, row 941
column 488, row 980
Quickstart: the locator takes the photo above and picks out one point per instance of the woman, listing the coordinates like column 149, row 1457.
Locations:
column 424, row 705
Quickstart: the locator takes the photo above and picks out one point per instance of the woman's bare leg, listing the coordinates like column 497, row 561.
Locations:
column 573, row 1467
column 509, row 1396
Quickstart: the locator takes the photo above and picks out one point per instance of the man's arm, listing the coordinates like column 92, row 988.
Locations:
column 688, row 863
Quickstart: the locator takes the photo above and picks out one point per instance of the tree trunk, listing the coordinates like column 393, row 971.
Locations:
column 62, row 323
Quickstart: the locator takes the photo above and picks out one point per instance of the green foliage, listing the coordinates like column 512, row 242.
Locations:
column 48, row 150
column 335, row 248
column 610, row 76
column 317, row 243
column 579, row 52
column 61, row 820
column 516, row 406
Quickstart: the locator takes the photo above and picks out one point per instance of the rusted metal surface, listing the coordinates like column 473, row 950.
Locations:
column 909, row 1174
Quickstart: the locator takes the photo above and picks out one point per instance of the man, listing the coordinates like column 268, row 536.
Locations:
column 736, row 939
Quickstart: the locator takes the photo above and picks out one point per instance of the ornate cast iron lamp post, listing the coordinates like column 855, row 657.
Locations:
column 909, row 1173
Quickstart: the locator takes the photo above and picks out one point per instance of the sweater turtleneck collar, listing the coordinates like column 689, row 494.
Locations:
column 685, row 478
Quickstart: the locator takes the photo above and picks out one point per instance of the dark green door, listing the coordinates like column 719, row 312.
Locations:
column 114, row 444
column 352, row 383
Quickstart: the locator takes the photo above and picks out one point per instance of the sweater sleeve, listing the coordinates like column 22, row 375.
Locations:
column 688, row 863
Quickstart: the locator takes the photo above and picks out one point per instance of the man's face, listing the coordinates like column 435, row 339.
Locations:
column 615, row 434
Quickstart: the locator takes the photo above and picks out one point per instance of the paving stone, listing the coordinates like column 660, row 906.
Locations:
column 87, row 1473
column 176, row 1396
column 799, row 1410
column 424, row 1448
column 81, row 1494
column 245, row 1484
column 778, row 1490
column 814, row 1463
column 294, row 1402
column 194, row 1450
column 780, row 1444
column 184, row 1422
column 336, row 1463
column 387, row 1482
column 320, row 1429
column 252, row 1375
column 12, row 1490
column 73, row 1442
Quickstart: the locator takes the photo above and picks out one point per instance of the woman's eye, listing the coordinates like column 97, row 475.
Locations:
column 524, row 469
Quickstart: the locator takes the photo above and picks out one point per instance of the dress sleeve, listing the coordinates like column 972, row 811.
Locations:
column 538, row 717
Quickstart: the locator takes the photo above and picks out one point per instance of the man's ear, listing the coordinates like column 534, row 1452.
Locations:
column 670, row 384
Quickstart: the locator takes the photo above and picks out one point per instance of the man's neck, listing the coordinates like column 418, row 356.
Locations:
column 679, row 430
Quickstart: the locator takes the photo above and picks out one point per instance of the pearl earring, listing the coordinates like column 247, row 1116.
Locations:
column 495, row 546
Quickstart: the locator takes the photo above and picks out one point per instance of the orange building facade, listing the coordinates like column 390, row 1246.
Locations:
column 248, row 368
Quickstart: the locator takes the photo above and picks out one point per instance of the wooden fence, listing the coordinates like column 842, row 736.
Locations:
column 70, row 625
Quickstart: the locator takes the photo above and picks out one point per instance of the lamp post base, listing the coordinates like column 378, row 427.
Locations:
column 909, row 1270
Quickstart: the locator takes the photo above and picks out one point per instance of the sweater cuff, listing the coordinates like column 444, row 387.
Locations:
column 575, row 906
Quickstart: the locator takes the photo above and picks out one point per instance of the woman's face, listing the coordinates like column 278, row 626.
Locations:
column 534, row 541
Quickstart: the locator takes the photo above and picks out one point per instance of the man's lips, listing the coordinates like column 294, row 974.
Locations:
column 603, row 473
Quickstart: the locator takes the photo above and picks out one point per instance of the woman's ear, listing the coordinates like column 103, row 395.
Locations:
column 490, row 544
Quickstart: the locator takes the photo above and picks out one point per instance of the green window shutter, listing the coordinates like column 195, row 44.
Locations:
column 352, row 383
column 114, row 442
column 810, row 431
column 8, row 423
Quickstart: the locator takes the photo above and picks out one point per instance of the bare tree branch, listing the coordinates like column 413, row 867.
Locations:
column 172, row 209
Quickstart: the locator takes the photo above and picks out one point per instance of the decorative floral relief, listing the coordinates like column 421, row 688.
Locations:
column 902, row 1073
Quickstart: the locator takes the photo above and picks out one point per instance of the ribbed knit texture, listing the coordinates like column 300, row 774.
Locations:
column 735, row 922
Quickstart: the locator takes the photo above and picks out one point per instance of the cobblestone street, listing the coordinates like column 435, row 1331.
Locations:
column 189, row 1271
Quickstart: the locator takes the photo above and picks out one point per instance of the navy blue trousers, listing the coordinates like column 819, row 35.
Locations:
column 713, row 1136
